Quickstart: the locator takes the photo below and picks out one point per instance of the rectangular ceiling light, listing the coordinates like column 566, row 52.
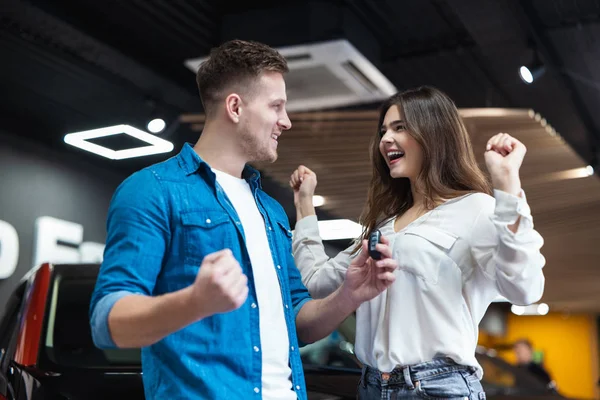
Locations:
column 337, row 229
column 156, row 145
column 532, row 309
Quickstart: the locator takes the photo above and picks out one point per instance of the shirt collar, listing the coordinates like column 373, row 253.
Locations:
column 191, row 162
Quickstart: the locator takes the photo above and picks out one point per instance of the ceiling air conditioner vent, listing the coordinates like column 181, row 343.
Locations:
column 328, row 75
column 298, row 57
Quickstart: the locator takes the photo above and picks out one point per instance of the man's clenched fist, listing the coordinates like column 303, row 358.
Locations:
column 220, row 285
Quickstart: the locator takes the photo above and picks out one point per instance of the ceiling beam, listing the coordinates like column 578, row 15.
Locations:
column 63, row 38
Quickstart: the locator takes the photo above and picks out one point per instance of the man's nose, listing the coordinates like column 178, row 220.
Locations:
column 285, row 123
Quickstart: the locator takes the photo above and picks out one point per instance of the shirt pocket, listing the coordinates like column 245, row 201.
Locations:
column 286, row 233
column 448, row 385
column 205, row 232
column 424, row 251
column 283, row 240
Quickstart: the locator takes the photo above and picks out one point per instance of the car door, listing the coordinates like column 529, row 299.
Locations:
column 9, row 324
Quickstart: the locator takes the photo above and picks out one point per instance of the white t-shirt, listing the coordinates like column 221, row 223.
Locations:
column 276, row 372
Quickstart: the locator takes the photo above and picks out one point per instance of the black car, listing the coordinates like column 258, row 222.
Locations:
column 46, row 350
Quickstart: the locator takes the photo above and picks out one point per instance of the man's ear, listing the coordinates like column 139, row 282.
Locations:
column 233, row 107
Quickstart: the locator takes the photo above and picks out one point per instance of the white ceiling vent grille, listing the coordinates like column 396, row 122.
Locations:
column 327, row 75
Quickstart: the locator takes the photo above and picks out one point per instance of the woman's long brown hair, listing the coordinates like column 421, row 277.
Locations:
column 449, row 166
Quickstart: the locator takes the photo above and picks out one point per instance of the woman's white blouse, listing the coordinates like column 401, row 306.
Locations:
column 453, row 262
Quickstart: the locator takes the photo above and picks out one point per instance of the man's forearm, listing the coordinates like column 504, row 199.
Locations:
column 318, row 318
column 138, row 321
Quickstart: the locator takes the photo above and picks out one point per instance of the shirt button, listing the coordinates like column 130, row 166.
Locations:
column 286, row 306
column 270, row 228
column 253, row 305
column 208, row 221
column 292, row 348
column 256, row 349
column 256, row 390
column 297, row 387
column 279, row 267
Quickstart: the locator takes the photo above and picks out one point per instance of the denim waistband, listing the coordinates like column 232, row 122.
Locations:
column 410, row 374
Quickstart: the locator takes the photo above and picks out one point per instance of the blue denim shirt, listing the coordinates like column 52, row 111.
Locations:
column 162, row 221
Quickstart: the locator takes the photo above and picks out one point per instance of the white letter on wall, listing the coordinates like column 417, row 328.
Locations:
column 48, row 233
column 9, row 249
column 91, row 252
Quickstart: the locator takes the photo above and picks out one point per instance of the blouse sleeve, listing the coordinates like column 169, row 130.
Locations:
column 321, row 274
column 512, row 260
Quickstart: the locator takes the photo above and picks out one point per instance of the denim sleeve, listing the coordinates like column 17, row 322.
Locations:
column 99, row 319
column 138, row 234
column 298, row 291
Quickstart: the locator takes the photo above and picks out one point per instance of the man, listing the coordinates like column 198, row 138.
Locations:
column 524, row 353
column 198, row 269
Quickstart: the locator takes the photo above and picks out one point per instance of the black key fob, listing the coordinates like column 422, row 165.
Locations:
column 374, row 238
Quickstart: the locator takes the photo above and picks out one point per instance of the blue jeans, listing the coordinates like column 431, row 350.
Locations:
column 441, row 378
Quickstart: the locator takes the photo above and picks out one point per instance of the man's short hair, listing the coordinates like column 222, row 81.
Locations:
column 524, row 342
column 234, row 65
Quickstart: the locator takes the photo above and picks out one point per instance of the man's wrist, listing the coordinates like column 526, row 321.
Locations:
column 346, row 301
column 193, row 307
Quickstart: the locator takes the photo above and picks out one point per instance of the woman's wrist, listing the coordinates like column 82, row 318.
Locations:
column 304, row 207
column 509, row 183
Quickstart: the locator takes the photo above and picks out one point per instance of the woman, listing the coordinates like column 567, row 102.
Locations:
column 457, row 247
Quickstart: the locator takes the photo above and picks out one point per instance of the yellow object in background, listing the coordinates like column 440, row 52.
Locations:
column 569, row 344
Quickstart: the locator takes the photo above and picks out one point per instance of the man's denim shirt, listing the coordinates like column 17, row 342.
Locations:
column 162, row 221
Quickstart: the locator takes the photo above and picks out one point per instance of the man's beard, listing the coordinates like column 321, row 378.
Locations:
column 256, row 151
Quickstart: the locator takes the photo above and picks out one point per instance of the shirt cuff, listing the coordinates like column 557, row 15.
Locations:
column 99, row 321
column 299, row 306
column 510, row 207
column 296, row 311
column 308, row 226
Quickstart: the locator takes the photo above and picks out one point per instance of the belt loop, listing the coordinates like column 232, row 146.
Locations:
column 407, row 379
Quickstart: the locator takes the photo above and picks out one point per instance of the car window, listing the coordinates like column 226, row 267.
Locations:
column 68, row 339
column 335, row 350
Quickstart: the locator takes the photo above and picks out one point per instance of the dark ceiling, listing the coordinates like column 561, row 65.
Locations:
column 77, row 65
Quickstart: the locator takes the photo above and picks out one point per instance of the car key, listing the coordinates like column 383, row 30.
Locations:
column 374, row 238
